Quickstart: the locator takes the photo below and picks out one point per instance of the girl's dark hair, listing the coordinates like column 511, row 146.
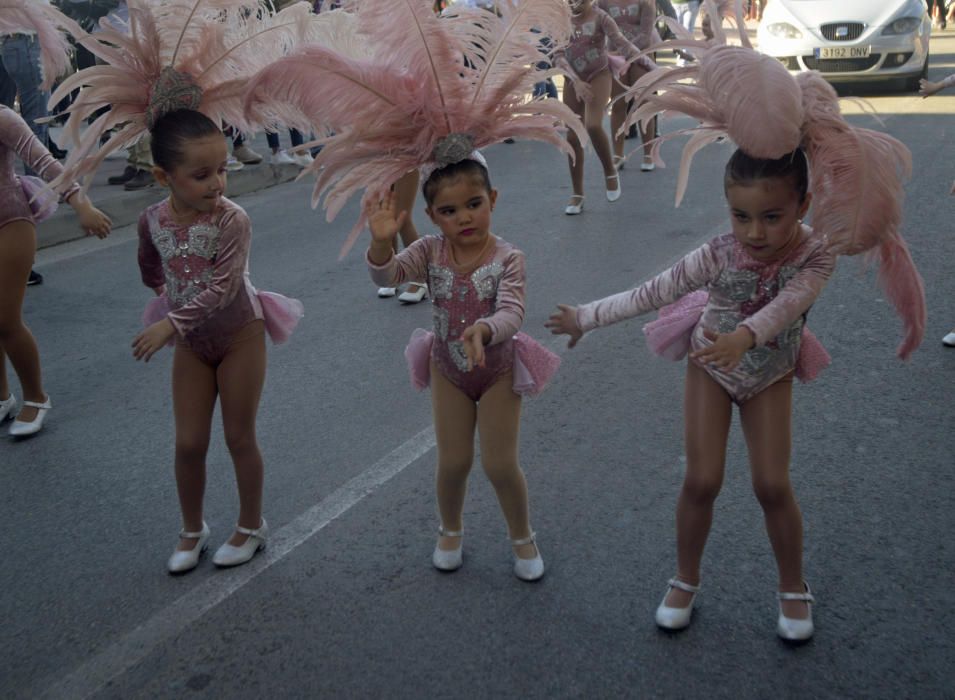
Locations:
column 743, row 169
column 173, row 129
column 464, row 168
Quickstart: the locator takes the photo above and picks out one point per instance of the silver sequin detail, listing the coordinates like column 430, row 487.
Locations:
column 786, row 273
column 441, row 321
column 755, row 359
column 486, row 279
column 440, row 281
column 738, row 285
column 727, row 321
column 460, row 359
column 202, row 240
column 790, row 336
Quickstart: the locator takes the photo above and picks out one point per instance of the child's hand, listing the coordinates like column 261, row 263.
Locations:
column 382, row 222
column 727, row 348
column 474, row 338
column 564, row 322
column 927, row 88
column 151, row 340
column 92, row 220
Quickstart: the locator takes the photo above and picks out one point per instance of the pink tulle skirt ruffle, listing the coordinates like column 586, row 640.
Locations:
column 43, row 201
column 669, row 336
column 618, row 65
column 280, row 314
column 534, row 365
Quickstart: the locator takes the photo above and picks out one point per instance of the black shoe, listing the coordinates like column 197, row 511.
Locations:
column 55, row 150
column 140, row 181
column 35, row 278
column 508, row 140
column 632, row 133
column 128, row 174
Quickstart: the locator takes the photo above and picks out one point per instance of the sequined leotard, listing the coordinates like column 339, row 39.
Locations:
column 204, row 267
column 492, row 292
column 17, row 140
column 635, row 18
column 770, row 298
column 587, row 51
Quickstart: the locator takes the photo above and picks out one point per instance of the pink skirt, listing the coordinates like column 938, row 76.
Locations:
column 43, row 201
column 669, row 336
column 280, row 314
column 534, row 365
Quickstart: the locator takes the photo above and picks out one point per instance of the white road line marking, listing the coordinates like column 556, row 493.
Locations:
column 127, row 651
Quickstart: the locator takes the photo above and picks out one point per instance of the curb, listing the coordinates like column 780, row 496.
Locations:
column 125, row 207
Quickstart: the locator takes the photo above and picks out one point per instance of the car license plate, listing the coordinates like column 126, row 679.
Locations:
column 843, row 52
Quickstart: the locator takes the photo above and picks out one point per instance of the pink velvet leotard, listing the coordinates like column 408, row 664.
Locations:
column 204, row 267
column 587, row 51
column 770, row 298
column 635, row 18
column 18, row 141
column 491, row 291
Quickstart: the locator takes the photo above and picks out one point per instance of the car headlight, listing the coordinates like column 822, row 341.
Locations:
column 784, row 30
column 903, row 25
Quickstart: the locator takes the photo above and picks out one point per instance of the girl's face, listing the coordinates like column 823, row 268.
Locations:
column 462, row 210
column 766, row 216
column 579, row 6
column 198, row 181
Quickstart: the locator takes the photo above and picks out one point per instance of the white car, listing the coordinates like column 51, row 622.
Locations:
column 849, row 40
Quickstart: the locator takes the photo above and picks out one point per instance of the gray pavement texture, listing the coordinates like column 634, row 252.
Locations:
column 355, row 610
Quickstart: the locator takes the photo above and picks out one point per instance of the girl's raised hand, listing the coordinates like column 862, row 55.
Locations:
column 474, row 338
column 727, row 348
column 382, row 221
column 927, row 88
column 151, row 340
column 564, row 322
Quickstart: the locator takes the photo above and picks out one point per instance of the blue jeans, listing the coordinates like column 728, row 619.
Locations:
column 273, row 138
column 20, row 73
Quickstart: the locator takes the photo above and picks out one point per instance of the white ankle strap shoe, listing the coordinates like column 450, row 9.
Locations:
column 795, row 629
column 676, row 618
column 230, row 555
column 8, row 408
column 528, row 569
column 21, row 428
column 185, row 560
column 449, row 559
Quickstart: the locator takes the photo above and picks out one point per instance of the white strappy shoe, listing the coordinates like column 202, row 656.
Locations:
column 528, row 569
column 449, row 559
column 230, row 555
column 8, row 408
column 796, row 629
column 614, row 195
column 21, row 428
column 183, row 560
column 574, row 209
column 676, row 618
column 619, row 162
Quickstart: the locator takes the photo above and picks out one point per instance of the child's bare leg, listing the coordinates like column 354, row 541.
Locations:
column 576, row 163
column 618, row 115
column 594, row 122
column 707, row 414
column 193, row 401
column 454, row 420
column 766, row 420
column 17, row 249
column 241, row 376
column 499, row 421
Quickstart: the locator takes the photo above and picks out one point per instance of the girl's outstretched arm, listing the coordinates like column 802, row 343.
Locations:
column 386, row 268
column 927, row 88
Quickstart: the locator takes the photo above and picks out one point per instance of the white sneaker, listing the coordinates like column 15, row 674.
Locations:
column 8, row 408
column 282, row 157
column 304, row 158
column 232, row 164
column 247, row 155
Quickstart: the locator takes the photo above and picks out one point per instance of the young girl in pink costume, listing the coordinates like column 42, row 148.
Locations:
column 746, row 333
column 462, row 89
column 194, row 245
column 585, row 61
column 25, row 202
column 636, row 20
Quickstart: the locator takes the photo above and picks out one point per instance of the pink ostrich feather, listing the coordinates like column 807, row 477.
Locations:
column 50, row 26
column 219, row 44
column 389, row 114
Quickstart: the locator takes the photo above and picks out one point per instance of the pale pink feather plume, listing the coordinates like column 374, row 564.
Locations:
column 49, row 25
column 389, row 111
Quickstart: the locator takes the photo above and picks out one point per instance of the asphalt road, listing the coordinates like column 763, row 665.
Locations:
column 344, row 603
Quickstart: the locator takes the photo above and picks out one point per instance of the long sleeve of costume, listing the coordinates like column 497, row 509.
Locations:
column 16, row 135
column 648, row 17
column 694, row 271
column 794, row 299
column 618, row 42
column 150, row 262
column 508, row 316
column 228, row 273
column 949, row 81
column 410, row 265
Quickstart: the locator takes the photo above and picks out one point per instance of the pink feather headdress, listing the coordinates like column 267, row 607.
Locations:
column 49, row 25
column 856, row 175
column 197, row 54
column 466, row 73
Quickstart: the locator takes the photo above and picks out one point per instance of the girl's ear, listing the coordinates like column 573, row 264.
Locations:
column 430, row 213
column 162, row 177
column 492, row 195
column 804, row 207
